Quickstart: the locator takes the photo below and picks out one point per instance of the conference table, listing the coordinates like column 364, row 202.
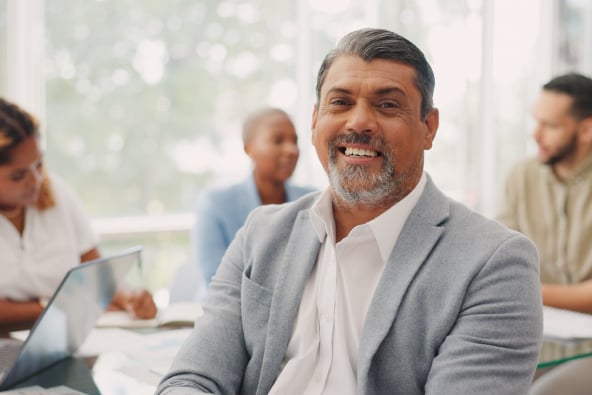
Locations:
column 112, row 361
column 132, row 361
column 570, row 350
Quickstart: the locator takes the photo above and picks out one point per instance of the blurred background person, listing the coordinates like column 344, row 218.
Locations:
column 270, row 140
column 549, row 199
column 44, row 230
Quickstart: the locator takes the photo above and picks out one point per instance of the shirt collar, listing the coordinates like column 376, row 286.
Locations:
column 386, row 227
column 585, row 168
column 252, row 191
column 322, row 216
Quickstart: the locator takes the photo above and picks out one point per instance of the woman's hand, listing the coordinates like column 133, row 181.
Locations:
column 139, row 303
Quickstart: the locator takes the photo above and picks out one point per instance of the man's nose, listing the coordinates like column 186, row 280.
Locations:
column 292, row 148
column 362, row 118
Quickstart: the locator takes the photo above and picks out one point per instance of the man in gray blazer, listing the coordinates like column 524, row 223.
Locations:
column 379, row 284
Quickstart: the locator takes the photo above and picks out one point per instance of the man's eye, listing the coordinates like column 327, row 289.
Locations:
column 17, row 177
column 388, row 104
column 338, row 102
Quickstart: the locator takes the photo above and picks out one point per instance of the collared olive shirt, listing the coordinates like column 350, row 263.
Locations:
column 556, row 215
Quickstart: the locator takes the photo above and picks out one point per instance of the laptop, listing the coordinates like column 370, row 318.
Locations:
column 69, row 317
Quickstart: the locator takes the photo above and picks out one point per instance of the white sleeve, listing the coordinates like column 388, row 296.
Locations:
column 86, row 238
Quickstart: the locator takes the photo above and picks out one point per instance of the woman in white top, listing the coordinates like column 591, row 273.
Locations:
column 44, row 230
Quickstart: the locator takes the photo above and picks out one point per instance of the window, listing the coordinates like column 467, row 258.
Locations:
column 3, row 53
column 142, row 102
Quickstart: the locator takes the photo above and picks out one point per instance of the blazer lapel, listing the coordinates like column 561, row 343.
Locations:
column 420, row 233
column 250, row 195
column 301, row 255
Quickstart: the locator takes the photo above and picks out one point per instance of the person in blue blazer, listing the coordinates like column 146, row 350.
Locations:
column 380, row 283
column 270, row 140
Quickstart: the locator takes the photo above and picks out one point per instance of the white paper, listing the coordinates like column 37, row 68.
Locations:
column 102, row 340
column 149, row 356
column 174, row 315
column 155, row 358
column 566, row 324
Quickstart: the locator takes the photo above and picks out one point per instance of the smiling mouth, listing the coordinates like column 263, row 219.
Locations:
column 359, row 152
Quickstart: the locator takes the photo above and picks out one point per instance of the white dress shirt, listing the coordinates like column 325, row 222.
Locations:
column 322, row 353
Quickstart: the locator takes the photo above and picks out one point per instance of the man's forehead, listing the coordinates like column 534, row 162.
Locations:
column 556, row 97
column 553, row 103
column 384, row 75
column 349, row 61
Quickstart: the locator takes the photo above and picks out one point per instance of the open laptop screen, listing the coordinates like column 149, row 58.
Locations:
column 69, row 317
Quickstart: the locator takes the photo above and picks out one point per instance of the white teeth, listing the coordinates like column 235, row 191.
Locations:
column 359, row 152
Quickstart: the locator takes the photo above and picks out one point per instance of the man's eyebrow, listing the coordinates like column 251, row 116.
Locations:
column 337, row 89
column 17, row 172
column 379, row 92
column 389, row 90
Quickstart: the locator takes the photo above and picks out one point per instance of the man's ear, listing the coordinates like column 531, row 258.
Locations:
column 313, row 124
column 431, row 123
column 586, row 130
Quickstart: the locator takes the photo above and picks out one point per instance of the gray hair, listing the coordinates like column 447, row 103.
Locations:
column 370, row 44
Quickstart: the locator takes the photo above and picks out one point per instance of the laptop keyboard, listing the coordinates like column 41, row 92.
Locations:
column 9, row 351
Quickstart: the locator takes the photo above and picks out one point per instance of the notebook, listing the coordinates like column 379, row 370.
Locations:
column 69, row 317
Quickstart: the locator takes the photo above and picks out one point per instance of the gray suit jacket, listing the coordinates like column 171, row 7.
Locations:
column 457, row 310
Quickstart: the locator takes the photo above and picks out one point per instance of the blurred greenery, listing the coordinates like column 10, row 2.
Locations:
column 128, row 82
column 162, row 255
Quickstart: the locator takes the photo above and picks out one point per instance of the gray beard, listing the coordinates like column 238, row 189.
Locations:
column 373, row 190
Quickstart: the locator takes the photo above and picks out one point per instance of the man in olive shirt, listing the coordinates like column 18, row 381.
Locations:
column 549, row 198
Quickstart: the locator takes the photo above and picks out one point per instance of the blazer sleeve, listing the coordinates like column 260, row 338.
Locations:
column 493, row 347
